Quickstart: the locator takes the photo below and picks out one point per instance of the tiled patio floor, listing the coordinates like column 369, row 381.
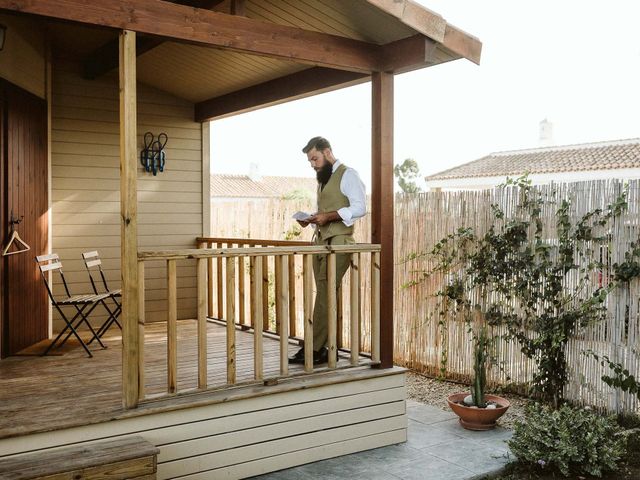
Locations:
column 438, row 448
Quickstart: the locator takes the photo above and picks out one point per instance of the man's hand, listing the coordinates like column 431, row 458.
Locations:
column 302, row 224
column 324, row 218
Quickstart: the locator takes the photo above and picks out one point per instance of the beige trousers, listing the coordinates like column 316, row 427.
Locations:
column 320, row 312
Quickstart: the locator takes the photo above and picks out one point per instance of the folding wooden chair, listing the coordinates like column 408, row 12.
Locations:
column 84, row 304
column 91, row 261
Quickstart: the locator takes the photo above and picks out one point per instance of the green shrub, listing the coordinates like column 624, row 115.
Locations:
column 573, row 440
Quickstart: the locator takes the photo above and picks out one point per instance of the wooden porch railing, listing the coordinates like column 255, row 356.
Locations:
column 230, row 258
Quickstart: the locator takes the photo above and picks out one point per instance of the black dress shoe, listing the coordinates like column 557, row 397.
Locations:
column 322, row 356
column 298, row 357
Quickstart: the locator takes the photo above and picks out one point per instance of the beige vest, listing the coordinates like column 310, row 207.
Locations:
column 330, row 199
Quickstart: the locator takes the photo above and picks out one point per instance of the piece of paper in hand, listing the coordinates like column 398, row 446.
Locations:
column 301, row 216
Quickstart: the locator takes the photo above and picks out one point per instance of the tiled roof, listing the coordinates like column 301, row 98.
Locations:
column 266, row 187
column 566, row 158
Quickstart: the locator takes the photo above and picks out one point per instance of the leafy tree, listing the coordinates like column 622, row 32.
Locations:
column 406, row 173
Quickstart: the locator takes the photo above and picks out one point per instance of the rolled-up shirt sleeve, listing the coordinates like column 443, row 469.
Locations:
column 352, row 187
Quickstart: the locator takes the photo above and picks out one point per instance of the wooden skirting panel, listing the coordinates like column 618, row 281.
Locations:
column 241, row 438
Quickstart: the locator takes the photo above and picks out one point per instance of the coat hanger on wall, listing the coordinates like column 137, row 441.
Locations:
column 14, row 239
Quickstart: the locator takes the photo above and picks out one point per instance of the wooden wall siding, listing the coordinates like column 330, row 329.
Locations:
column 241, row 438
column 85, row 183
column 25, row 313
column 22, row 61
column 247, row 431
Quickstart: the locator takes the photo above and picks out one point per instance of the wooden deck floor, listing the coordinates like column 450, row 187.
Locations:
column 47, row 393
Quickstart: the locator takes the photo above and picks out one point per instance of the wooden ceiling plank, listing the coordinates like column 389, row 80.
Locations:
column 297, row 85
column 211, row 28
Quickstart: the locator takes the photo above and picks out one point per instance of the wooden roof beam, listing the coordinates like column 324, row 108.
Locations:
column 206, row 27
column 290, row 87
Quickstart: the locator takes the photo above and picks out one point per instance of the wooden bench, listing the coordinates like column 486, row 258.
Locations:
column 127, row 458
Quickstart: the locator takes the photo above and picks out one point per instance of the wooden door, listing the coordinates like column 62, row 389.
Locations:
column 24, row 191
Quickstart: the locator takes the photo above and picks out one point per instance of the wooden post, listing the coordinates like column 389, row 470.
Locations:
column 282, row 297
column 172, row 327
column 141, row 321
column 256, row 298
column 307, row 281
column 220, row 285
column 331, row 309
column 231, row 317
column 292, row 296
column 382, row 201
column 202, row 323
column 129, row 220
column 375, row 307
column 354, row 309
column 210, row 284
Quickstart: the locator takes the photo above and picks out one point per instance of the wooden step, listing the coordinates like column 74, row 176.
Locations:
column 126, row 458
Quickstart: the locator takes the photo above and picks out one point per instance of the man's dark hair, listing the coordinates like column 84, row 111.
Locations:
column 319, row 143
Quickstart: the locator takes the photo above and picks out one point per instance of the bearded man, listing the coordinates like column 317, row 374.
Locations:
column 341, row 201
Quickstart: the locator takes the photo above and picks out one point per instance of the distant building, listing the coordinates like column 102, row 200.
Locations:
column 567, row 163
column 259, row 188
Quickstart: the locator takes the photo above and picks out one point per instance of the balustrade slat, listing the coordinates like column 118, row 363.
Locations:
column 340, row 319
column 242, row 314
column 256, row 297
column 282, row 287
column 141, row 322
column 292, row 295
column 332, row 312
column 252, row 291
column 265, row 294
column 209, row 282
column 202, row 322
column 220, row 285
column 375, row 306
column 354, row 309
column 230, row 317
column 307, row 281
column 172, row 327
column 277, row 268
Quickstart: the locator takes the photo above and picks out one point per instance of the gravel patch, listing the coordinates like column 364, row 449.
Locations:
column 435, row 392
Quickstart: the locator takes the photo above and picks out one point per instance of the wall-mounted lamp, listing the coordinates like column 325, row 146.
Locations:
column 3, row 35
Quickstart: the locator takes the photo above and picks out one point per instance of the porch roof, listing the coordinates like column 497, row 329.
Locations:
column 266, row 53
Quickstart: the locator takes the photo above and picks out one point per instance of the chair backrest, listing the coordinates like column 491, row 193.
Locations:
column 92, row 260
column 51, row 263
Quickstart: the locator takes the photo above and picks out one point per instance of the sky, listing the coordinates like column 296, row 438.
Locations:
column 575, row 63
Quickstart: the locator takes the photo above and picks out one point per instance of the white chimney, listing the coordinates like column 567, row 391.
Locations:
column 254, row 173
column 546, row 134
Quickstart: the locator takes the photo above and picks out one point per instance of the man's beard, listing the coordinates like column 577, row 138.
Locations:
column 324, row 174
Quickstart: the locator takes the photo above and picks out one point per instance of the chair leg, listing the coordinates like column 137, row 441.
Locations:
column 107, row 324
column 85, row 320
column 72, row 329
column 93, row 332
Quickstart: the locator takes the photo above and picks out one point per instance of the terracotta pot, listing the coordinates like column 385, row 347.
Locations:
column 478, row 418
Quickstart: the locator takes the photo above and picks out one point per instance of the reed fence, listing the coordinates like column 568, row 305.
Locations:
column 425, row 344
